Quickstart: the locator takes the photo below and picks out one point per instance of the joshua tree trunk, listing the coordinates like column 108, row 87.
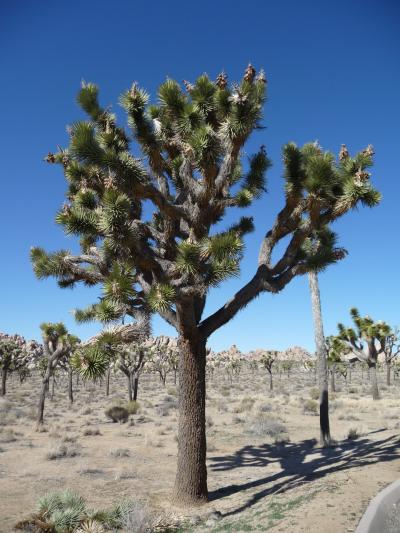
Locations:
column 128, row 377
column 388, row 373
column 42, row 397
column 70, row 391
column 3, row 381
column 374, row 381
column 135, row 386
column 191, row 476
column 108, row 382
column 325, row 436
column 271, row 384
column 52, row 389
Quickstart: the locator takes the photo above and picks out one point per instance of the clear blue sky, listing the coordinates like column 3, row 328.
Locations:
column 334, row 75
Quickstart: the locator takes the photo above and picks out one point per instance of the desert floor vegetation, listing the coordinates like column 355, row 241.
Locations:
column 266, row 468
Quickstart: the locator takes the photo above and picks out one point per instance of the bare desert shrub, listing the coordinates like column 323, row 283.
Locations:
column 139, row 518
column 245, row 405
column 348, row 417
column 209, row 422
column 125, row 474
column 314, row 393
column 263, row 425
column 7, row 435
column 353, row 434
column 91, row 432
column 163, row 409
column 265, row 408
column 119, row 452
column 63, row 450
column 170, row 400
column 117, row 413
column 310, row 407
column 281, row 438
column 132, row 407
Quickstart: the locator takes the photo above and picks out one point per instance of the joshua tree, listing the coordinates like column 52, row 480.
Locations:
column 267, row 359
column 58, row 346
column 336, row 348
column 131, row 359
column 391, row 351
column 366, row 342
column 191, row 172
column 16, row 354
column 163, row 356
column 231, row 360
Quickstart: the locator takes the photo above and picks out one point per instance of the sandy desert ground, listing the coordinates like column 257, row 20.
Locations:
column 266, row 472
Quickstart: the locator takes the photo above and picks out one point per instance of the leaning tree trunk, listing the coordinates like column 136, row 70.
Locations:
column 3, row 382
column 271, row 383
column 374, row 381
column 42, row 397
column 191, row 475
column 325, row 436
column 70, row 391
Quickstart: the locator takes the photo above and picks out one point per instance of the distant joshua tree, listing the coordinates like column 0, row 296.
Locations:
column 366, row 341
column 16, row 355
column 58, row 345
column 267, row 359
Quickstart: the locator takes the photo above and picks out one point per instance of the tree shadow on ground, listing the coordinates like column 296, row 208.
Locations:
column 298, row 464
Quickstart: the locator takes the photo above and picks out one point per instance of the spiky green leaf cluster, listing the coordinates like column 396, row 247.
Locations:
column 92, row 361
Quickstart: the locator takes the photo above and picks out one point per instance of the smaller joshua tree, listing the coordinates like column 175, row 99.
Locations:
column 392, row 350
column 58, row 347
column 131, row 360
column 267, row 359
column 16, row 354
column 164, row 356
column 366, row 341
column 231, row 361
column 336, row 348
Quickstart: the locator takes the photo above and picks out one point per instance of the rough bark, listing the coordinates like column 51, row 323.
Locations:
column 374, row 381
column 42, row 398
column 388, row 369
column 3, row 382
column 135, row 386
column 325, row 436
column 191, row 476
